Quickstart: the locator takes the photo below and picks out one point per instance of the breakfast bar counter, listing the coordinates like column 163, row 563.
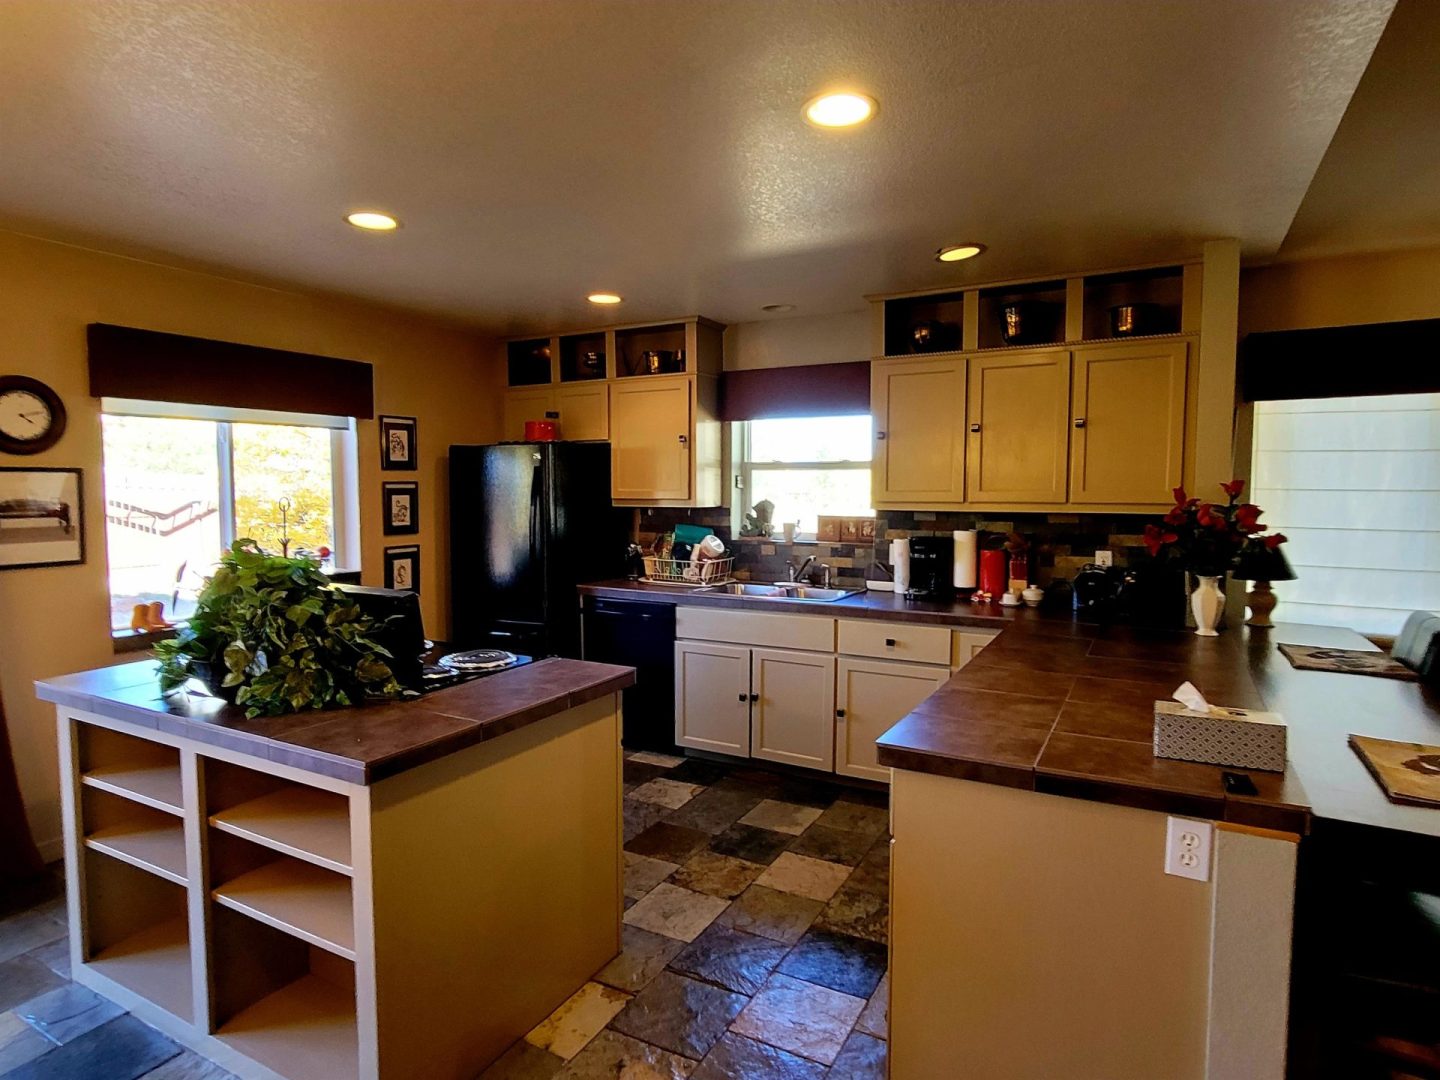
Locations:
column 346, row 893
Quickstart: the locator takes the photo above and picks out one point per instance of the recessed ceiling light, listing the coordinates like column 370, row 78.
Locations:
column 778, row 307
column 958, row 252
column 604, row 298
column 840, row 110
column 372, row 220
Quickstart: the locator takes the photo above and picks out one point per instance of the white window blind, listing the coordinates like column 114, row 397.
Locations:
column 1355, row 485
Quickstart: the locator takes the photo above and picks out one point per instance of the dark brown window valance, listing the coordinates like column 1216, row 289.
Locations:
column 1342, row 361
column 146, row 365
column 815, row 390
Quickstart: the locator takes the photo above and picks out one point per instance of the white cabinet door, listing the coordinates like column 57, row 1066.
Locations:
column 792, row 717
column 584, row 410
column 650, row 432
column 970, row 642
column 712, row 697
column 532, row 403
column 871, row 696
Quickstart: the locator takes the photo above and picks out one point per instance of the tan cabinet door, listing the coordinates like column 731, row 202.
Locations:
column 919, row 410
column 584, row 411
column 872, row 696
column 792, row 712
column 531, row 403
column 650, row 434
column 1019, row 408
column 712, row 697
column 1127, row 434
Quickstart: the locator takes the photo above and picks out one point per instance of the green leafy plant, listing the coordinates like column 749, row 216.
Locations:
column 283, row 637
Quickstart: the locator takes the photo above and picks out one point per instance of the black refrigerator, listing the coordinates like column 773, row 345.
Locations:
column 529, row 522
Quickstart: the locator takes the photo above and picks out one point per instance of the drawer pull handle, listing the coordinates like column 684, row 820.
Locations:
column 890, row 642
column 754, row 697
column 744, row 697
column 975, row 429
column 879, row 435
column 1079, row 421
column 840, row 714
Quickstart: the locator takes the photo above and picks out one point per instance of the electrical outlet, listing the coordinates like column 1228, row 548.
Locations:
column 1104, row 557
column 1187, row 848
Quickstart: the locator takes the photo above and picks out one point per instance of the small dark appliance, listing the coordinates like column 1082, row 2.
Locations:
column 932, row 566
column 1097, row 590
column 1153, row 594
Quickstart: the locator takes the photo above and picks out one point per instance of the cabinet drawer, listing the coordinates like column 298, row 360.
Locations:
column 895, row 641
column 761, row 629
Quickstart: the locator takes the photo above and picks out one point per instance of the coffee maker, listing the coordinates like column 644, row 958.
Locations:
column 932, row 561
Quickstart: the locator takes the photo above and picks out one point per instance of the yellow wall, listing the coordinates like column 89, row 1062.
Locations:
column 1382, row 287
column 798, row 342
column 56, row 620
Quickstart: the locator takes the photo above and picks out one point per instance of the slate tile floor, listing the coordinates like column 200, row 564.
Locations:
column 754, row 938
column 754, row 949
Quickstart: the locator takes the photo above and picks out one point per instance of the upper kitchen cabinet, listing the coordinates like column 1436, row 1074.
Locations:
column 1018, row 407
column 919, row 411
column 1127, row 434
column 652, row 390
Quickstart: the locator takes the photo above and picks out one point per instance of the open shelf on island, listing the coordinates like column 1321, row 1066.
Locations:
column 134, row 833
column 138, row 932
column 137, row 769
column 297, row 898
column 282, row 1002
column 305, row 822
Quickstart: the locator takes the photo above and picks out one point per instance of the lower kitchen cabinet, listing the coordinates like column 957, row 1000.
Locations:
column 712, row 697
column 792, row 708
column 871, row 696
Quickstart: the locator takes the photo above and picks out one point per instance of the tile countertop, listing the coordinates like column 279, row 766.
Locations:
column 358, row 745
column 1066, row 707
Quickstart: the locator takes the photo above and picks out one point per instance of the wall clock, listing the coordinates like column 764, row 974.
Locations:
column 32, row 416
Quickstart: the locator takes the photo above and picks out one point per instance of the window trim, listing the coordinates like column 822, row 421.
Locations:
column 746, row 472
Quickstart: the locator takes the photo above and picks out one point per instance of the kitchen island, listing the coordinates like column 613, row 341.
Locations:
column 391, row 891
column 1034, row 930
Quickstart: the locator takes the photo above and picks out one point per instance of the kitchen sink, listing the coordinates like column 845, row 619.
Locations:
column 809, row 593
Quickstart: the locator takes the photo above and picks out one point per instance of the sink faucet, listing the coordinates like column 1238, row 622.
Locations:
column 796, row 571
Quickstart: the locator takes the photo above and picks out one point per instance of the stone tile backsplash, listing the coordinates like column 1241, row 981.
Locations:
column 1060, row 544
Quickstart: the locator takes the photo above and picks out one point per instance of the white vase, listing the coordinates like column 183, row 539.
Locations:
column 1207, row 604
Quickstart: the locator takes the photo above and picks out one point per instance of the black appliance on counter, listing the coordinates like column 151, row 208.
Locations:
column 932, row 567
column 641, row 636
column 1097, row 591
column 529, row 522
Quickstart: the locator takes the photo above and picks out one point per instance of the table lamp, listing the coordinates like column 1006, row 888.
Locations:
column 1261, row 565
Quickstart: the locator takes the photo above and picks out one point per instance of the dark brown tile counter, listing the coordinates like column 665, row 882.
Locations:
column 360, row 745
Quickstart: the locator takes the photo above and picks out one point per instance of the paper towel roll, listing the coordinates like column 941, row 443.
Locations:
column 900, row 563
column 965, row 545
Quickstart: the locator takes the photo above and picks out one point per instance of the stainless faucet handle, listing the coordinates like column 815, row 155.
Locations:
column 825, row 575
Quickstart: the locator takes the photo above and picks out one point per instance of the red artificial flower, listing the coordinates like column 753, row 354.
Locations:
column 1233, row 488
column 1274, row 540
column 1156, row 538
column 1247, row 518
column 1176, row 516
column 1204, row 517
column 1179, row 494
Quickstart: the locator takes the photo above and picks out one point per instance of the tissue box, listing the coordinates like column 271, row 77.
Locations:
column 1236, row 737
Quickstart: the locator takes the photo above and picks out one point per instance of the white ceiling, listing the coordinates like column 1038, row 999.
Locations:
column 1378, row 186
column 539, row 149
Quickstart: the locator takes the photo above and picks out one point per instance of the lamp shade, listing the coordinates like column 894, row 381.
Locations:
column 1256, row 562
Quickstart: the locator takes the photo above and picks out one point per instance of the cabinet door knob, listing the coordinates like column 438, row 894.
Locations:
column 975, row 429
column 552, row 414
column 744, row 697
column 684, row 438
column 840, row 714
column 890, row 642
column 754, row 697
column 879, row 435
column 1079, row 421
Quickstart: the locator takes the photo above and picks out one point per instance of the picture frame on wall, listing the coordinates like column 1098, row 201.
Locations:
column 42, row 518
column 402, row 568
column 401, row 500
column 398, row 437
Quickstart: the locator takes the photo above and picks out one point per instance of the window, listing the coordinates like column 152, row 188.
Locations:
column 808, row 467
column 1354, row 483
column 183, row 482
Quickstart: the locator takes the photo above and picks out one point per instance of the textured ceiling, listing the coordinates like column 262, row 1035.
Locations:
column 538, row 150
column 1378, row 186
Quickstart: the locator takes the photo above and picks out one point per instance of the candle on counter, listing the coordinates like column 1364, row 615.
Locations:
column 966, row 541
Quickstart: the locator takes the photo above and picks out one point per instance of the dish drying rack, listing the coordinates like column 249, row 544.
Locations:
column 697, row 575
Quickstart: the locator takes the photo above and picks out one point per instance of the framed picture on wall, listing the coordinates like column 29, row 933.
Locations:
column 397, row 442
column 402, row 507
column 41, row 518
column 402, row 567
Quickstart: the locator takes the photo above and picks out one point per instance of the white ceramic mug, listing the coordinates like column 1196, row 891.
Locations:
column 789, row 527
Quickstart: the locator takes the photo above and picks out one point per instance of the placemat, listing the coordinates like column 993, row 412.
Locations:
column 1409, row 772
column 1348, row 661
